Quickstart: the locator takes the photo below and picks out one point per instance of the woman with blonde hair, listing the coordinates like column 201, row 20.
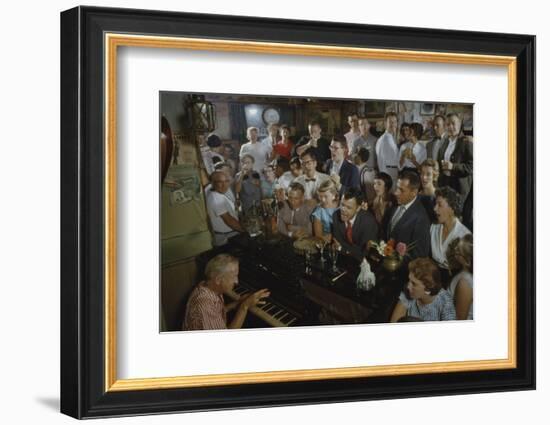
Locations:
column 322, row 215
column 429, row 173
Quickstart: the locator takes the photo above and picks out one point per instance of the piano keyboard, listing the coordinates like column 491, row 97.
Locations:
column 269, row 312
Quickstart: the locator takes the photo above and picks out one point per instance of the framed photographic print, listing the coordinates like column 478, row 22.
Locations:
column 246, row 223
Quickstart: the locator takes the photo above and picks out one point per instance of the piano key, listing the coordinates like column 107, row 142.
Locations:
column 279, row 314
column 291, row 322
column 288, row 319
column 280, row 319
column 240, row 290
column 265, row 307
column 271, row 308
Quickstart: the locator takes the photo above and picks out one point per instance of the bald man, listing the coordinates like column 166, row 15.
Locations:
column 220, row 203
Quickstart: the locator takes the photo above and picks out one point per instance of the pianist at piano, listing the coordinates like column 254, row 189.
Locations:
column 206, row 308
column 353, row 276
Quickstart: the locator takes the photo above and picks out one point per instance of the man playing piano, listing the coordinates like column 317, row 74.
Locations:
column 206, row 308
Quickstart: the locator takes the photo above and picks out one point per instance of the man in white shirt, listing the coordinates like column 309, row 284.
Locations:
column 387, row 151
column 354, row 132
column 273, row 134
column 258, row 150
column 220, row 203
column 311, row 179
column 412, row 153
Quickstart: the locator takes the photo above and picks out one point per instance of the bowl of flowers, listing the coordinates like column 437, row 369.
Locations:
column 392, row 253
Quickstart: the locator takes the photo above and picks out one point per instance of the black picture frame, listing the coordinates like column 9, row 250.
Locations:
column 83, row 393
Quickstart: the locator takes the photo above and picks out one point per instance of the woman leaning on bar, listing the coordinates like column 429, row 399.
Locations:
column 424, row 298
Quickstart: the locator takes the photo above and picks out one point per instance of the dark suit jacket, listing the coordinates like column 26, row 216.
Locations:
column 461, row 177
column 430, row 146
column 412, row 227
column 349, row 175
column 364, row 229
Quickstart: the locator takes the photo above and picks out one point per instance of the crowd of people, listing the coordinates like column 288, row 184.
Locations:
column 351, row 189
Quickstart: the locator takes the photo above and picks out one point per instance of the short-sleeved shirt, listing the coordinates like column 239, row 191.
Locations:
column 441, row 308
column 285, row 180
column 250, row 192
column 217, row 205
column 324, row 215
column 351, row 136
column 284, row 150
column 259, row 151
column 469, row 279
column 205, row 310
column 369, row 143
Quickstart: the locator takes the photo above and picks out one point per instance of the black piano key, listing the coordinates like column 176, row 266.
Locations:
column 271, row 308
column 281, row 318
column 265, row 307
column 288, row 319
column 278, row 314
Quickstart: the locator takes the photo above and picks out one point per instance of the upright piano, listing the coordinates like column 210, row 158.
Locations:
column 306, row 297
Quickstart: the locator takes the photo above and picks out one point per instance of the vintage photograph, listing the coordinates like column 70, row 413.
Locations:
column 301, row 211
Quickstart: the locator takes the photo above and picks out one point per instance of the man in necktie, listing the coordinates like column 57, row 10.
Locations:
column 352, row 226
column 343, row 173
column 349, row 232
column 409, row 222
column 433, row 146
column 311, row 179
column 294, row 217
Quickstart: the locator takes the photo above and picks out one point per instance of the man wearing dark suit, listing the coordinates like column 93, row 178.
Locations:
column 434, row 145
column 455, row 158
column 314, row 141
column 408, row 221
column 353, row 227
column 344, row 174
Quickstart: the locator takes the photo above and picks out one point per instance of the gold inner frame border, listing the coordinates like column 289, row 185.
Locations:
column 111, row 43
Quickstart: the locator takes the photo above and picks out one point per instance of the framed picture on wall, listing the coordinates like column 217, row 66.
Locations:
column 115, row 358
column 427, row 109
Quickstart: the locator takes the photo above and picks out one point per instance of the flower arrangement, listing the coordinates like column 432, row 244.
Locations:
column 390, row 248
column 392, row 253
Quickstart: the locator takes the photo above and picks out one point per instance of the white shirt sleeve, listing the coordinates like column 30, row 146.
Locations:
column 422, row 153
column 219, row 204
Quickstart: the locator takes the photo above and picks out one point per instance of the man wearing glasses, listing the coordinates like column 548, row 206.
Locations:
column 311, row 179
column 343, row 173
